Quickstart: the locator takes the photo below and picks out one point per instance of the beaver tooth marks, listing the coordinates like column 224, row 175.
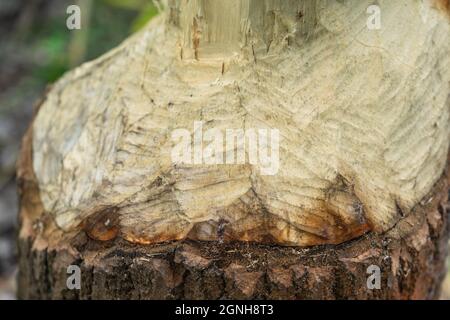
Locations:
column 362, row 118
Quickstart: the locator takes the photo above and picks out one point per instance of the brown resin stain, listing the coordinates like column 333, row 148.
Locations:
column 103, row 225
column 339, row 219
column 325, row 226
column 443, row 5
column 196, row 37
column 145, row 240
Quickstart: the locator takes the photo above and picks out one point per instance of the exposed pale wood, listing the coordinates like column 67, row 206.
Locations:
column 363, row 118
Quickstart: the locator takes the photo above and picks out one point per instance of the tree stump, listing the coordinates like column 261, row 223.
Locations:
column 354, row 177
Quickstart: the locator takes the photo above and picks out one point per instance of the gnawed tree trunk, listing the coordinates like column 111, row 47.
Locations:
column 363, row 121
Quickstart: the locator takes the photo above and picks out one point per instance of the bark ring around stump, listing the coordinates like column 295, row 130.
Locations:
column 411, row 258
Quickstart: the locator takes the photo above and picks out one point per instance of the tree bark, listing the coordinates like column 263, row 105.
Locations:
column 411, row 258
column 363, row 171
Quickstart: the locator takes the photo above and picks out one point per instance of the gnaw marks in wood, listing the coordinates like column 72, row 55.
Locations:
column 349, row 102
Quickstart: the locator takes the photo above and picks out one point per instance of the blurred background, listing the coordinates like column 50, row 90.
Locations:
column 36, row 48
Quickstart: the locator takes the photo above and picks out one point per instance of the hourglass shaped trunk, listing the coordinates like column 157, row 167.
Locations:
column 362, row 115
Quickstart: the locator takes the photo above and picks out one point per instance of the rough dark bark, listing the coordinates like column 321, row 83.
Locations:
column 411, row 257
column 192, row 270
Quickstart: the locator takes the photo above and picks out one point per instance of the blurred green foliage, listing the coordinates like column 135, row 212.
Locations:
column 148, row 12
column 109, row 23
